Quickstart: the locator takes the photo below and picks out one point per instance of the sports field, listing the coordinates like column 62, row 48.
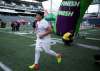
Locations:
column 17, row 52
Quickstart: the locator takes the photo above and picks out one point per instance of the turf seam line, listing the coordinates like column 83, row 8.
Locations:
column 4, row 67
column 88, row 46
column 92, row 38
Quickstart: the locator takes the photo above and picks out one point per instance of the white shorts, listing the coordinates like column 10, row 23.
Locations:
column 43, row 44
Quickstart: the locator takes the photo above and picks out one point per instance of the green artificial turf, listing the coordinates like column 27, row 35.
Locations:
column 16, row 53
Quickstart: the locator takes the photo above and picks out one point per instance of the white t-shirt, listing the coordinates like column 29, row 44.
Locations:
column 41, row 27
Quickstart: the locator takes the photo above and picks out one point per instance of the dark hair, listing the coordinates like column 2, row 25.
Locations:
column 40, row 13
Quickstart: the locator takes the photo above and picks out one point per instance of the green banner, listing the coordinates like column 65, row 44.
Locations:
column 83, row 7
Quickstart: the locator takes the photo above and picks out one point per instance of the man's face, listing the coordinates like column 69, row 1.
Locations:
column 38, row 17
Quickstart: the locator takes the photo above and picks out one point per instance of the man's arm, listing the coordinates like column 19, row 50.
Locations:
column 48, row 31
column 34, row 26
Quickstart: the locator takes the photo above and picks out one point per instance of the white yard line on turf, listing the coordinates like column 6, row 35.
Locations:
column 88, row 46
column 4, row 67
column 14, row 33
column 53, row 41
column 92, row 38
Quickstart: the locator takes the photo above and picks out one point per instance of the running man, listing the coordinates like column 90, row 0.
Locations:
column 43, row 30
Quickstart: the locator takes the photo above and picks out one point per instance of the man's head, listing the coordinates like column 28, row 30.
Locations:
column 39, row 15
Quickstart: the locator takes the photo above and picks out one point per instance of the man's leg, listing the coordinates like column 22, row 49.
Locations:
column 36, row 62
column 38, row 49
column 47, row 49
column 37, row 56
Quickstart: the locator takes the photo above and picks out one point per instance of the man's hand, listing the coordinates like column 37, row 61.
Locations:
column 41, row 35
